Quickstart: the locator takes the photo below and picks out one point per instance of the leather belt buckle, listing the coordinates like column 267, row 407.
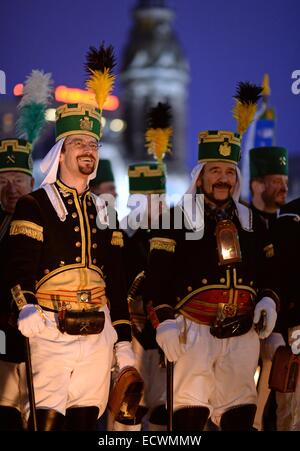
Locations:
column 84, row 296
column 226, row 310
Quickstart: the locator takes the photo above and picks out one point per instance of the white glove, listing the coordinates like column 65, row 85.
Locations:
column 270, row 344
column 294, row 340
column 124, row 354
column 268, row 305
column 31, row 320
column 167, row 337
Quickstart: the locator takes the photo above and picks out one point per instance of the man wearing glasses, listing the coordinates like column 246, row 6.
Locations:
column 66, row 277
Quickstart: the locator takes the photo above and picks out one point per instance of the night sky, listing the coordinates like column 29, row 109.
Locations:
column 224, row 42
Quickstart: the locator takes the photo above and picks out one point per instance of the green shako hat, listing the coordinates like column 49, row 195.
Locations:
column 268, row 161
column 78, row 118
column 226, row 145
column 15, row 155
column 104, row 173
column 219, row 145
column 147, row 177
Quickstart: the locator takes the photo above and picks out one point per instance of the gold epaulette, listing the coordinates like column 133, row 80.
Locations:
column 27, row 228
column 162, row 244
column 117, row 239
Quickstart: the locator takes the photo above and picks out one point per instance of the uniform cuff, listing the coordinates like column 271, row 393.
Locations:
column 123, row 329
column 160, row 313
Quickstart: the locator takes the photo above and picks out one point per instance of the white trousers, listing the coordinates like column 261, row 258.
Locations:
column 154, row 376
column 215, row 373
column 72, row 370
column 13, row 385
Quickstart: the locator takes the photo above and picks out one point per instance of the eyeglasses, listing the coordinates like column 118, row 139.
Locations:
column 79, row 144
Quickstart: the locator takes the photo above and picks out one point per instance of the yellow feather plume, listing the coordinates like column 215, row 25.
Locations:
column 157, row 142
column 244, row 114
column 101, row 84
column 246, row 99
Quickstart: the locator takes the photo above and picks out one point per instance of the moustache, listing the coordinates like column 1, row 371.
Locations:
column 222, row 185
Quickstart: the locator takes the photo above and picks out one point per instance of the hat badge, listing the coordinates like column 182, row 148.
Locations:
column 282, row 161
column 225, row 149
column 10, row 159
column 86, row 124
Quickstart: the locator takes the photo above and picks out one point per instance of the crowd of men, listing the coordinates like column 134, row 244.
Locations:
column 214, row 296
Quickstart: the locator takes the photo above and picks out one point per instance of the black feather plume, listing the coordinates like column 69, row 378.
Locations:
column 98, row 60
column 248, row 93
column 160, row 116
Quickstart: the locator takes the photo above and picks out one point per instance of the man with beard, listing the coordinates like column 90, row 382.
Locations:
column 269, row 188
column 208, row 284
column 268, row 181
column 66, row 262
column 213, row 289
column 15, row 181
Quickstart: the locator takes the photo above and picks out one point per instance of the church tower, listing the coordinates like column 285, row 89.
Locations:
column 153, row 69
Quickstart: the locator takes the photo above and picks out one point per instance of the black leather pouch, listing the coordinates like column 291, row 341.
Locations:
column 81, row 323
column 231, row 326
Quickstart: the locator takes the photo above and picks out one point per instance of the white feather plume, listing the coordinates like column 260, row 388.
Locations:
column 37, row 88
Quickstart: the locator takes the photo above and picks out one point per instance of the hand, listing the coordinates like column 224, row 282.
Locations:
column 31, row 320
column 270, row 344
column 124, row 354
column 167, row 337
column 267, row 305
column 294, row 339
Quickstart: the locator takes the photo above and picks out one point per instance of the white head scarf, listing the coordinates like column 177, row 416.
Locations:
column 195, row 174
column 49, row 165
column 195, row 218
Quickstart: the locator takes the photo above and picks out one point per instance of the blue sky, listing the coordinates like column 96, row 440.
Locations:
column 224, row 42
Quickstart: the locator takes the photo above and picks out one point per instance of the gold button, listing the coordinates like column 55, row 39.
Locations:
column 76, row 229
column 222, row 280
column 94, row 261
column 92, row 216
column 46, row 271
column 240, row 280
column 251, row 283
column 94, row 230
column 189, row 288
column 204, row 281
column 178, row 299
column 70, row 201
column 61, row 263
column 89, row 203
column 94, row 245
column 74, row 215
column 78, row 259
column 78, row 244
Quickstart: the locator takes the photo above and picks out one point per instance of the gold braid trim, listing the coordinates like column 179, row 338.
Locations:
column 158, row 307
column 117, row 239
column 121, row 321
column 162, row 244
column 27, row 228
